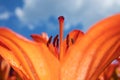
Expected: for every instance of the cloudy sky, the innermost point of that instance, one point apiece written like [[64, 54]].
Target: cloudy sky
[[36, 16]]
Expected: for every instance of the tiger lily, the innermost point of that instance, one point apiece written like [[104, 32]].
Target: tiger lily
[[80, 56]]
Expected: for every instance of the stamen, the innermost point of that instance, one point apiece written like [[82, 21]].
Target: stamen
[[72, 41], [61, 26], [67, 40], [49, 41], [55, 41]]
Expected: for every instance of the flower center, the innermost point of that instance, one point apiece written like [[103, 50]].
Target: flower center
[[58, 39]]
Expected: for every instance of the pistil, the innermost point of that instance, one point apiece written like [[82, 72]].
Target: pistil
[[61, 26]]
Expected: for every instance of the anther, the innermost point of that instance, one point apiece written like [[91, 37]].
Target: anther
[[72, 41], [49, 41], [55, 41], [67, 41]]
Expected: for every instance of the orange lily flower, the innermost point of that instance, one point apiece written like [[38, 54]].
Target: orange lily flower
[[77, 57]]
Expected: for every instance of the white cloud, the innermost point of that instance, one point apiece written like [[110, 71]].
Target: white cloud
[[19, 12], [75, 11], [4, 15]]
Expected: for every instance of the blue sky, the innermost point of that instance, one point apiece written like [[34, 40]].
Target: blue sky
[[36, 16]]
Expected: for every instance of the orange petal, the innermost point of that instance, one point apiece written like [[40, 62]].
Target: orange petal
[[35, 58], [109, 71], [10, 58], [89, 57], [43, 38]]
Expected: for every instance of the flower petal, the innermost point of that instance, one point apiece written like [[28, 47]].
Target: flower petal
[[35, 58], [40, 38], [43, 39], [89, 57], [13, 62]]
